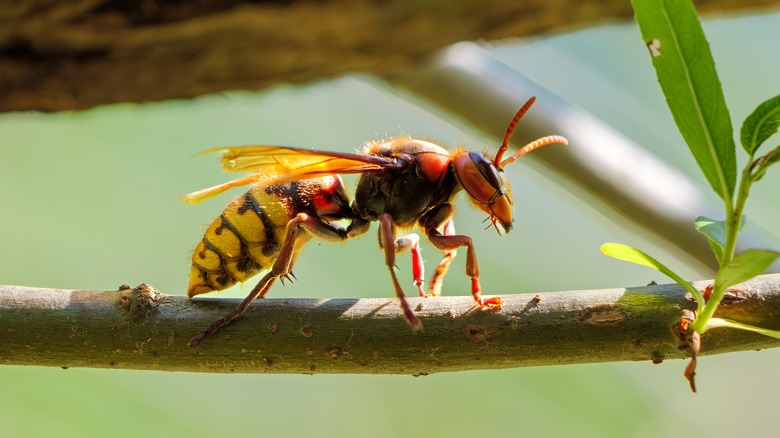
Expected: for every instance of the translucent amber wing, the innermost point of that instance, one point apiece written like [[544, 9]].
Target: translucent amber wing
[[279, 164], [288, 164], [202, 195]]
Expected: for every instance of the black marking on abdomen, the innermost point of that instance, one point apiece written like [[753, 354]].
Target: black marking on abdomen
[[224, 223], [299, 204], [296, 195], [247, 263], [271, 245], [225, 279]]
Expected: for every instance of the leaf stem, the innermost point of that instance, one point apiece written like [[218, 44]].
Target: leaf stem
[[733, 223], [728, 323]]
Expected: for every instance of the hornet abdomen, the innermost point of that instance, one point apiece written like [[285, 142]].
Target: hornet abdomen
[[246, 238]]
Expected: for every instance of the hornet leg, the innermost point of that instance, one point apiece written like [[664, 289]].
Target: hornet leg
[[281, 268], [444, 264], [405, 243], [388, 242], [448, 243]]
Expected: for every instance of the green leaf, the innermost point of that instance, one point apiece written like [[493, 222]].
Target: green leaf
[[715, 232], [723, 322], [760, 125], [745, 266], [772, 157], [630, 254], [762, 164], [686, 71]]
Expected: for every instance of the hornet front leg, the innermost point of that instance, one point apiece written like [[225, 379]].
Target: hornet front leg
[[438, 277], [448, 244]]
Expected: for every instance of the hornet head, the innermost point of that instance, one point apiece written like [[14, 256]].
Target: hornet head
[[483, 177]]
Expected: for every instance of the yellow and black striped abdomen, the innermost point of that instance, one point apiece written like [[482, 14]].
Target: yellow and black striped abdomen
[[243, 241]]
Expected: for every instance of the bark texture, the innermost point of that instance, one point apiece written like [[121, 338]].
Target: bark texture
[[77, 54], [143, 329]]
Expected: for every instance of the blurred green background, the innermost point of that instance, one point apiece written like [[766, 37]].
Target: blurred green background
[[88, 201]]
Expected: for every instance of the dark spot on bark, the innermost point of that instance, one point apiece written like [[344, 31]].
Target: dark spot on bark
[[335, 353], [682, 331], [480, 333], [657, 357], [732, 296], [602, 314], [273, 327], [536, 299], [124, 301], [307, 331], [140, 302], [124, 287]]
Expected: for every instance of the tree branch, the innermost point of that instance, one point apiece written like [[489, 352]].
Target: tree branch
[[142, 329], [68, 55]]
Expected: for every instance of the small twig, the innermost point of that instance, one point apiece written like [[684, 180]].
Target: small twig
[[141, 329]]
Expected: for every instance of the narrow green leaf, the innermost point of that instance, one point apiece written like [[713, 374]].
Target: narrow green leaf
[[745, 266], [760, 125], [686, 71], [630, 254], [715, 232], [722, 322], [762, 164], [772, 157]]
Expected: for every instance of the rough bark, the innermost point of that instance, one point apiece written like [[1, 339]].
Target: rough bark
[[142, 329], [77, 54]]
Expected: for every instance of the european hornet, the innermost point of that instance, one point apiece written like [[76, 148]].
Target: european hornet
[[297, 194]]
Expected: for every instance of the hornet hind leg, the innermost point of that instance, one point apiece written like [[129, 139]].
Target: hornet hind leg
[[281, 268]]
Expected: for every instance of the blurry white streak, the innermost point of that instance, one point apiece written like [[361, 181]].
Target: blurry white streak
[[482, 91]]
